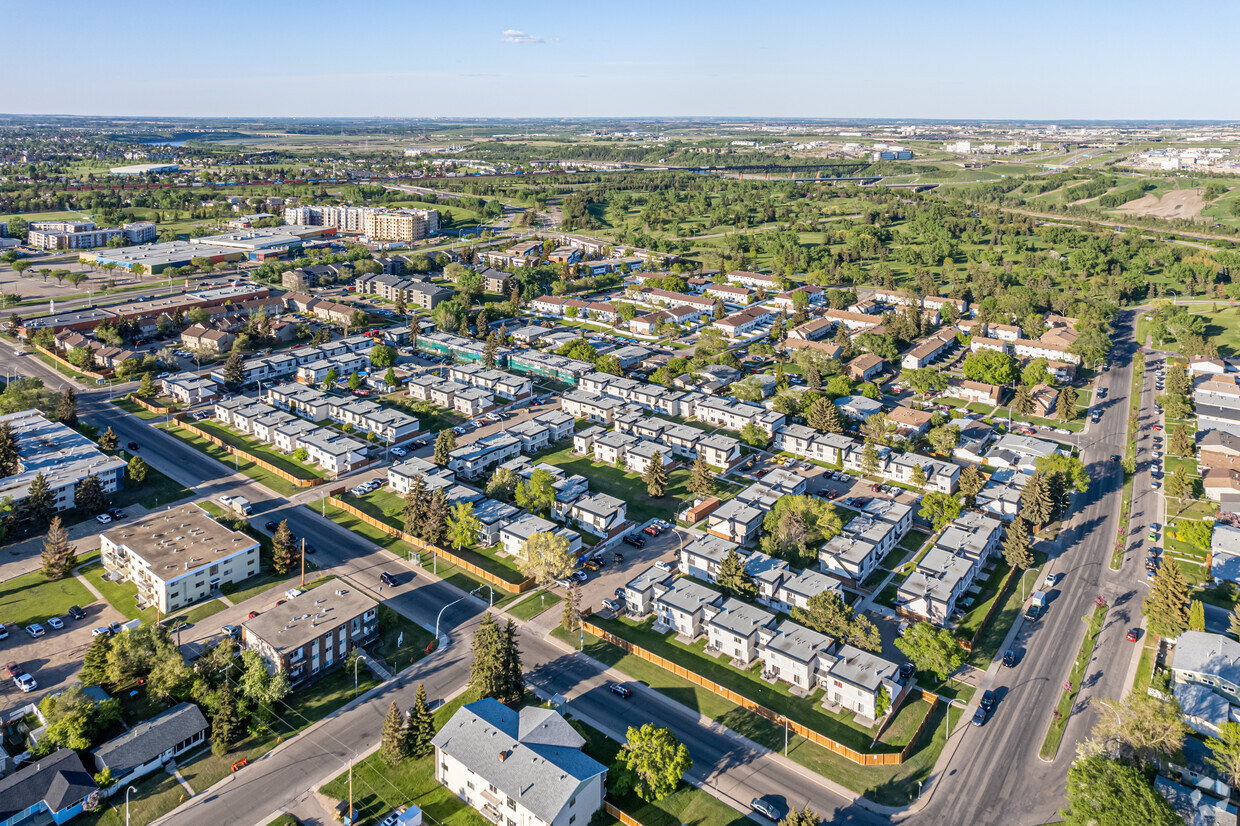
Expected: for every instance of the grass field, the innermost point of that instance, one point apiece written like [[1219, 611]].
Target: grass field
[[430, 417], [640, 506], [1059, 719], [33, 597], [534, 604], [254, 447], [258, 474]]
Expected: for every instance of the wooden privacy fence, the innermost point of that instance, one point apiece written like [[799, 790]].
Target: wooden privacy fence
[[967, 645], [619, 814], [447, 556], [886, 759], [145, 405], [184, 423], [69, 364]]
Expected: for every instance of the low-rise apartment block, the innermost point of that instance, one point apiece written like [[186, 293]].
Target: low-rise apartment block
[[314, 632], [62, 455]]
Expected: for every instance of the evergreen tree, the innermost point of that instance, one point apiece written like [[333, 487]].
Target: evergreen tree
[[420, 728], [733, 577], [655, 476], [136, 471], [1196, 616], [66, 409], [701, 481], [95, 662], [1065, 409], [234, 375], [824, 416], [89, 497], [107, 442], [38, 501], [435, 525], [869, 459], [392, 744], [487, 676], [1036, 505], [445, 443], [146, 388], [8, 450], [225, 724], [59, 556], [463, 329], [481, 324], [1016, 545], [1022, 402], [971, 482], [488, 352], [1233, 622], [282, 550], [514, 677], [415, 507], [1166, 608], [570, 618]]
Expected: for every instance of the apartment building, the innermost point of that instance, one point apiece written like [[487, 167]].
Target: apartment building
[[61, 455], [597, 513], [582, 405], [854, 679], [523, 768], [647, 325], [701, 557], [787, 301], [791, 653], [461, 349], [405, 225], [496, 382], [1217, 401], [548, 365], [515, 534], [926, 351], [744, 322], [734, 414], [729, 293], [189, 389], [753, 280], [313, 633], [178, 557], [639, 591], [485, 453], [344, 365]]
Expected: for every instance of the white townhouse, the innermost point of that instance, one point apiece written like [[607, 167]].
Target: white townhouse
[[639, 591], [680, 605], [516, 533], [598, 513], [791, 653], [732, 629]]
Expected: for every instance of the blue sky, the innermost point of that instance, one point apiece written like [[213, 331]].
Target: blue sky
[[430, 58]]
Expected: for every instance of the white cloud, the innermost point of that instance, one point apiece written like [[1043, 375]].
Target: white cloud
[[516, 36]]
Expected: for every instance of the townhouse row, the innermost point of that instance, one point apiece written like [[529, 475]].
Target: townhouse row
[[937, 589], [389, 425], [836, 449], [331, 450], [288, 364]]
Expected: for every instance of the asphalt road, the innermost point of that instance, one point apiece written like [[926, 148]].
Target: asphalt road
[[997, 775]]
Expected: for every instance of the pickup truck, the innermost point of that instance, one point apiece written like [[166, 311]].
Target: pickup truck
[[237, 504], [1037, 601]]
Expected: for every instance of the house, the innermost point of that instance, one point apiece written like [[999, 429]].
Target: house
[[472, 402], [151, 744], [932, 590], [1017, 451], [492, 516], [854, 680], [979, 343], [732, 629], [1212, 660], [858, 408], [189, 389], [976, 391], [1217, 402], [526, 767], [639, 591], [52, 789], [975, 436], [864, 367], [514, 535], [647, 325], [729, 293], [1194, 806], [973, 534], [177, 557], [909, 423], [735, 520], [680, 605], [598, 513], [792, 652], [313, 633], [1001, 497], [404, 475], [701, 557], [1044, 398], [199, 337], [639, 457], [812, 330]]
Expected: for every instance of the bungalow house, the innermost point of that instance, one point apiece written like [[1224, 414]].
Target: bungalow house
[[150, 745], [681, 604], [976, 391], [1208, 659], [791, 652], [858, 408], [732, 629], [864, 367], [52, 789], [909, 423], [1044, 398]]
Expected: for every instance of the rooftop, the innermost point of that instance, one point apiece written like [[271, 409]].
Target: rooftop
[[317, 611], [173, 542]]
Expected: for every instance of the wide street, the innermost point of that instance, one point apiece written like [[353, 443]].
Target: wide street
[[987, 774]]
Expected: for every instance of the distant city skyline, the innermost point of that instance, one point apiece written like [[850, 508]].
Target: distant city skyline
[[968, 60]]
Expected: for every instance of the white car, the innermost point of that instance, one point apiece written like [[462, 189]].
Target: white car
[[56, 623], [103, 518], [399, 451], [35, 630], [665, 566], [26, 683]]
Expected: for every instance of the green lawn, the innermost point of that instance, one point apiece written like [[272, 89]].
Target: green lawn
[[1059, 719], [258, 474], [402, 642], [388, 507], [120, 595], [33, 597], [198, 613], [157, 489], [627, 486], [841, 727], [889, 785], [995, 631], [154, 796], [254, 447], [379, 788], [534, 604], [124, 403], [430, 417]]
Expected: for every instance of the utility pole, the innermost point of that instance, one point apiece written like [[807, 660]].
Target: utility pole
[[303, 562]]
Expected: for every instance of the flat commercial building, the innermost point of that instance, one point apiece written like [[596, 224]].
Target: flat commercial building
[[177, 557]]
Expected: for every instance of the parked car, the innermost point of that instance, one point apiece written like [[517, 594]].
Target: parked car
[[231, 631], [907, 670], [55, 623], [26, 683], [1049, 581], [399, 451], [35, 630], [103, 518], [663, 565], [271, 525], [252, 615], [132, 445], [611, 605], [979, 716], [1009, 658], [767, 809], [622, 690], [99, 631], [634, 539], [14, 669], [1134, 634], [580, 576], [564, 583], [591, 565]]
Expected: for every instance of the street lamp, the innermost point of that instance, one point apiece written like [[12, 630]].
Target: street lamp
[[948, 719], [127, 791]]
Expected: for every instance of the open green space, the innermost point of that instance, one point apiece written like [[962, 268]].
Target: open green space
[[839, 726], [534, 604], [129, 406], [402, 642], [1011, 601], [267, 453], [1067, 698], [431, 418], [888, 785], [388, 508], [33, 597], [258, 474], [640, 506]]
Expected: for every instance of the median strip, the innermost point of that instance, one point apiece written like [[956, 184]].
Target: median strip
[[1072, 686]]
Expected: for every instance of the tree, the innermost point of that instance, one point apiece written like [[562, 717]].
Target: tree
[[1166, 608], [226, 724], [136, 470], [1022, 402], [463, 526], [233, 372], [329, 381], [733, 578], [75, 720], [486, 674], [146, 388], [503, 484], [38, 501], [1233, 622], [932, 649], [752, 435], [382, 355], [1196, 616], [8, 450], [939, 508], [1036, 504], [1016, 550], [1141, 726], [1225, 751], [825, 417], [445, 443], [1182, 443], [95, 662], [1066, 472], [414, 510], [537, 494], [434, 526], [869, 459], [66, 409], [547, 558], [701, 481], [806, 817], [944, 438], [797, 526], [654, 762], [282, 550], [877, 428], [59, 557], [89, 497], [918, 477], [489, 351], [827, 613], [655, 476], [1104, 792], [514, 675], [392, 744], [990, 366], [926, 380], [419, 729], [355, 380], [1065, 409], [570, 617], [107, 442]]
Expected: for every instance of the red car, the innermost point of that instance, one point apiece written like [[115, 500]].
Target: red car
[[833, 494], [1158, 427], [1133, 633], [252, 615], [875, 488]]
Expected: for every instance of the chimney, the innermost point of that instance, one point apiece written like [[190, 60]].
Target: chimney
[[503, 755]]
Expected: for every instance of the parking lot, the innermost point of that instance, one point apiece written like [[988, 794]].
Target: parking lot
[[55, 658], [602, 584]]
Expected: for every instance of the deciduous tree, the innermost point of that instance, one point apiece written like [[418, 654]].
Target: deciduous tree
[[1103, 792], [654, 761], [1141, 726], [932, 649], [939, 508], [463, 526]]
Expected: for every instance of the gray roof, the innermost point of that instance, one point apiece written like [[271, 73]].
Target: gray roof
[[688, 596], [1225, 539], [147, 740], [58, 780], [862, 668], [741, 618], [798, 642], [648, 578], [533, 756], [1204, 653]]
